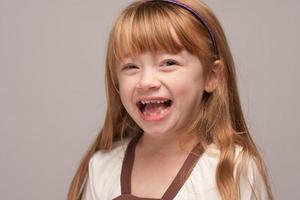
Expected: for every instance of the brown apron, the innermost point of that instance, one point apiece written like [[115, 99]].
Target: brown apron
[[176, 184]]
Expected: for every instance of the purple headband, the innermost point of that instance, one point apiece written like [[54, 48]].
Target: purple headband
[[199, 18]]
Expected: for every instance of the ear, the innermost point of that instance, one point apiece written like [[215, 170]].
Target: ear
[[214, 76]]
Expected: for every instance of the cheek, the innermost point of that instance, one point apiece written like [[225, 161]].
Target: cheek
[[187, 85], [126, 87]]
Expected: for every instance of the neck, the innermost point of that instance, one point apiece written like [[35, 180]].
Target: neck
[[166, 144]]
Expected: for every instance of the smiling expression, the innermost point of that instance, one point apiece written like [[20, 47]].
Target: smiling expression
[[160, 91]]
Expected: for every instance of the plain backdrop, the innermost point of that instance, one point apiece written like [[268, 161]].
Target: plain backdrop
[[52, 98]]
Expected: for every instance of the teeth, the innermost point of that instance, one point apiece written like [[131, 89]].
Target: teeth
[[152, 101], [154, 114], [163, 111]]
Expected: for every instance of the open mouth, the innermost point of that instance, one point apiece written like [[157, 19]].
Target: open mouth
[[154, 107]]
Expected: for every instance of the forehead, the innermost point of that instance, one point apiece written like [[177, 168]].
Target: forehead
[[147, 29], [136, 46]]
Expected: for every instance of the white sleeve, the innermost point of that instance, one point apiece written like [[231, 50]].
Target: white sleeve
[[89, 190], [252, 186]]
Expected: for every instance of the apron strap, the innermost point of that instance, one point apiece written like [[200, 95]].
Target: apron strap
[[176, 184]]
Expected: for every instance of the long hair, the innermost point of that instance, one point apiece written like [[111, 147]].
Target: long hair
[[217, 119]]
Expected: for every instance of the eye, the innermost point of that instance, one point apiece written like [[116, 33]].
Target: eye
[[169, 62], [129, 67]]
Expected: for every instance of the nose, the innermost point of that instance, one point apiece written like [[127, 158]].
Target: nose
[[148, 80]]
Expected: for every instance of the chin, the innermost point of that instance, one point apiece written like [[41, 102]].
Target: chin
[[154, 131]]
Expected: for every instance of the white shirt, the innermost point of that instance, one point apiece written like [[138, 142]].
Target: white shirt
[[103, 180]]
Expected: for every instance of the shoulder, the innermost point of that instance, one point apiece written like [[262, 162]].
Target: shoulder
[[246, 171], [104, 157], [104, 171], [212, 151], [207, 165], [245, 165], [243, 161]]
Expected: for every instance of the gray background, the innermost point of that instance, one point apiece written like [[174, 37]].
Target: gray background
[[52, 98]]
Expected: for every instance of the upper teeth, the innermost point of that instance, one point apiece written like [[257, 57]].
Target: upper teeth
[[153, 101]]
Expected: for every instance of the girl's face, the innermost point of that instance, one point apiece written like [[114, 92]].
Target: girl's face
[[161, 91]]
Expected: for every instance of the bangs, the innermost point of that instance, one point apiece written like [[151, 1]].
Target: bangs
[[148, 27]]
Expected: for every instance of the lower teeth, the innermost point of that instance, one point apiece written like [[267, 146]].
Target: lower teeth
[[156, 113]]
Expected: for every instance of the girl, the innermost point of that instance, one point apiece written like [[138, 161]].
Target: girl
[[174, 127]]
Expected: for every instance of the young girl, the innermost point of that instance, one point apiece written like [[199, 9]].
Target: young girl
[[174, 127]]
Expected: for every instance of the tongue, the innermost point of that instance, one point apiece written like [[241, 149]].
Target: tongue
[[154, 108]]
